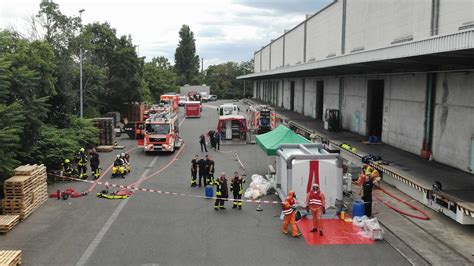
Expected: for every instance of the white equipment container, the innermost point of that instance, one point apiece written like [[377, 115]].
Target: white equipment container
[[301, 165]]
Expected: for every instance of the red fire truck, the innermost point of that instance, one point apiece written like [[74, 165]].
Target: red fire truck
[[261, 118], [232, 127], [171, 100], [192, 109], [161, 132]]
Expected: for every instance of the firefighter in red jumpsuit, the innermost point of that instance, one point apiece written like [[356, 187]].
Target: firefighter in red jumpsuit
[[316, 202], [289, 211]]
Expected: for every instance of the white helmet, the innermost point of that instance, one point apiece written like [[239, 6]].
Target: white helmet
[[118, 155], [123, 154]]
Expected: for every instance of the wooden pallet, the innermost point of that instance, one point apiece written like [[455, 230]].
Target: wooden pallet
[[19, 186], [10, 257], [7, 222], [104, 148], [25, 169], [26, 191], [25, 208]]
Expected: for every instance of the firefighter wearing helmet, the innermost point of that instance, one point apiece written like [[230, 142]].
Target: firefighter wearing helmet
[[82, 164], [126, 161], [315, 203], [289, 212], [67, 168], [95, 164]]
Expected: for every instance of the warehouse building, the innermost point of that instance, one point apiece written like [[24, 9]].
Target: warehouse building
[[402, 70]]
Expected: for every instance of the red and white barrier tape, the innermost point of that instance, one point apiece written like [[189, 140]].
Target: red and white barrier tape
[[132, 187]]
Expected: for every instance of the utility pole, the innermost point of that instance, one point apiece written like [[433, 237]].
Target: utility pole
[[80, 69], [202, 70]]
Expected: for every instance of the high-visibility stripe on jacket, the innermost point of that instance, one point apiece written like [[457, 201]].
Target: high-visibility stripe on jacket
[[288, 206], [237, 184], [218, 185], [315, 199]]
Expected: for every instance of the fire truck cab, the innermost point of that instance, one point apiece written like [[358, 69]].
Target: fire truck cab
[[261, 118], [171, 100], [162, 132]]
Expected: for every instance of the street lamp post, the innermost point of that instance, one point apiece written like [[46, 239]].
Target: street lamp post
[[80, 69]]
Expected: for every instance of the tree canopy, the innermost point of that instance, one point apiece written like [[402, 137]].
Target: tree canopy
[[39, 83], [185, 58]]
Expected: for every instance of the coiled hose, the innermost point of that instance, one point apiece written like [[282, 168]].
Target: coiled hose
[[423, 216]]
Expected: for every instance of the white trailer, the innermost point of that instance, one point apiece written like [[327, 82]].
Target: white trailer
[[301, 165]]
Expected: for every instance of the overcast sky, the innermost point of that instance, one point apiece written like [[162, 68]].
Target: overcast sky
[[225, 30]]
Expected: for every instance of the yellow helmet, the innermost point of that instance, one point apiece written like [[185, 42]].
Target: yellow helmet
[[82, 150], [67, 161]]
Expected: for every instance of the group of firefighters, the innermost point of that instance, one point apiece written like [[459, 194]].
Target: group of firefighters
[[81, 170], [315, 203], [205, 167]]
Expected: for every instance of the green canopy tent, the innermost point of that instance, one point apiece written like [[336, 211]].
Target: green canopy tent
[[271, 141]]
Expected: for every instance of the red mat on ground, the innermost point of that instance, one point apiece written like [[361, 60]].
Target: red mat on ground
[[336, 232]]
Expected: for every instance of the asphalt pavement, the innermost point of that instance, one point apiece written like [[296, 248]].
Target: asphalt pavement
[[166, 229]]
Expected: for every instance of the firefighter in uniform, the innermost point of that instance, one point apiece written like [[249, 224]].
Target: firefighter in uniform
[[222, 193], [316, 202], [82, 164], [95, 162], [210, 164], [289, 211], [237, 187], [68, 170], [194, 168]]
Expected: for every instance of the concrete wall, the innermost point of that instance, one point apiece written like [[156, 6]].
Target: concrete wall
[[254, 94], [454, 119], [323, 35], [266, 58], [256, 58], [331, 94], [452, 14], [282, 93], [310, 98], [277, 54], [286, 94], [354, 105], [404, 107], [375, 24], [298, 95], [294, 43]]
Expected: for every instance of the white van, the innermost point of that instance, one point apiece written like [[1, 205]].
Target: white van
[[228, 109]]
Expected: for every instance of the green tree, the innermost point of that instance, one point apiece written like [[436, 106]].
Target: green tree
[[223, 78], [60, 31], [11, 123], [159, 77], [185, 58]]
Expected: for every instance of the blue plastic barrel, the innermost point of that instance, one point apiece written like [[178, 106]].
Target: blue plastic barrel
[[358, 208], [371, 139], [376, 139], [209, 192]]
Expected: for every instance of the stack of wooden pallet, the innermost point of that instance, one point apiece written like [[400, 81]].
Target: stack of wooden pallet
[[25, 191], [10, 257], [7, 222], [106, 130], [135, 112]]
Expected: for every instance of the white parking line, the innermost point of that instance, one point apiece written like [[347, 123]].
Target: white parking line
[[98, 238]]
